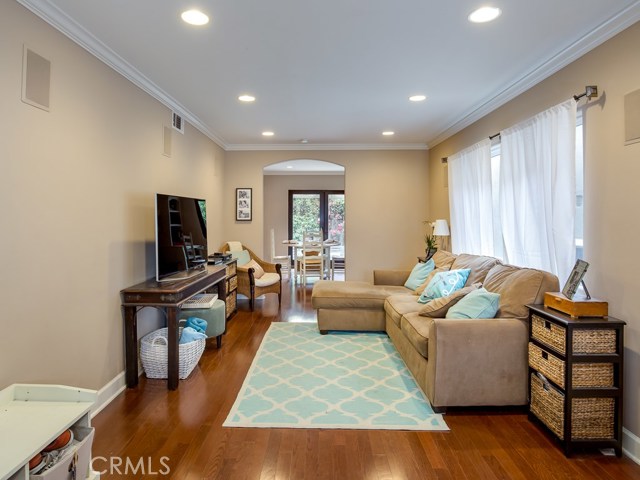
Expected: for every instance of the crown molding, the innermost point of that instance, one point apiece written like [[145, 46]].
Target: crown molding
[[603, 32], [77, 33], [327, 146]]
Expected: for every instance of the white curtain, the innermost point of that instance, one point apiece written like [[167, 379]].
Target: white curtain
[[538, 190], [470, 201]]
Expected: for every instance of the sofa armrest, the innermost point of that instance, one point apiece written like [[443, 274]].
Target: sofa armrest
[[390, 277], [478, 361]]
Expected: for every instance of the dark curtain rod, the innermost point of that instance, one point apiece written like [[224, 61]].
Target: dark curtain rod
[[590, 91]]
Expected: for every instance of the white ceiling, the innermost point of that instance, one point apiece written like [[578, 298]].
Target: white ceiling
[[336, 72]]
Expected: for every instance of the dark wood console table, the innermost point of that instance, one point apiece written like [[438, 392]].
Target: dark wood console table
[[170, 296]]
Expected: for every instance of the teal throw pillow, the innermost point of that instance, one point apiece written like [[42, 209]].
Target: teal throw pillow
[[444, 283], [242, 256], [477, 304], [419, 274]]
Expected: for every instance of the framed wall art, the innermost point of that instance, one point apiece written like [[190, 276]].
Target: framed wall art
[[243, 205]]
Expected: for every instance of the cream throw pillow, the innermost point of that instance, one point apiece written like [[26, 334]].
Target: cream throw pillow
[[258, 271], [438, 308]]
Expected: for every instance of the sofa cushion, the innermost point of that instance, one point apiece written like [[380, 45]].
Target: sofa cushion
[[419, 274], [396, 306], [444, 283], [268, 279], [444, 259], [517, 287], [478, 264], [352, 294], [477, 304], [438, 307], [416, 329]]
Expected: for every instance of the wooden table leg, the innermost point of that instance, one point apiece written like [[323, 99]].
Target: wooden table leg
[[131, 346], [172, 351]]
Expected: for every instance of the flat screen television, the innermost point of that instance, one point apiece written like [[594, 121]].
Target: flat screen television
[[181, 237]]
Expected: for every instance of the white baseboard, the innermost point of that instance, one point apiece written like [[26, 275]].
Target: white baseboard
[[631, 445], [107, 393], [110, 391]]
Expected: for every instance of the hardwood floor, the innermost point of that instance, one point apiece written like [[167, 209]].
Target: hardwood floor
[[150, 432]]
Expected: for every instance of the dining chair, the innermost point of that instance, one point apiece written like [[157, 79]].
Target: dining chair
[[312, 258], [283, 260]]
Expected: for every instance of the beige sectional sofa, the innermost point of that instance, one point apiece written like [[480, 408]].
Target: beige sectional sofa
[[456, 362]]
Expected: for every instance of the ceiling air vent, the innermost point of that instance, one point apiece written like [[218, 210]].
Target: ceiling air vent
[[177, 122]]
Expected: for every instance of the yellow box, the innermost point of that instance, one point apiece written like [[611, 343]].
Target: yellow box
[[579, 307]]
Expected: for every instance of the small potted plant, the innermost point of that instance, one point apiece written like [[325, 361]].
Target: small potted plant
[[430, 241]]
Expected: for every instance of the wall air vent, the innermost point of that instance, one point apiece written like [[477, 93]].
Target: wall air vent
[[178, 122]]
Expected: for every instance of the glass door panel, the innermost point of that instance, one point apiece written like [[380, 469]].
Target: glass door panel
[[335, 222], [305, 214]]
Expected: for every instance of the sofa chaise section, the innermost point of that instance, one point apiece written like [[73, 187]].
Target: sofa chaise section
[[456, 362], [357, 306]]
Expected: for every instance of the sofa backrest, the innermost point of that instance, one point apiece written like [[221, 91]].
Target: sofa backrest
[[519, 286], [444, 259], [479, 265]]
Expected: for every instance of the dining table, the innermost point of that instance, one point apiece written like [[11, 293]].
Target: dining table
[[296, 247]]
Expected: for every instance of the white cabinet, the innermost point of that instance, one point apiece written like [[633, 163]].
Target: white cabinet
[[32, 416]]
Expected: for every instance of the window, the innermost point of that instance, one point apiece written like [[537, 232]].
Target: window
[[318, 209], [579, 234], [579, 220]]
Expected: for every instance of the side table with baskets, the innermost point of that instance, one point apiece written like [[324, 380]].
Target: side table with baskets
[[576, 378]]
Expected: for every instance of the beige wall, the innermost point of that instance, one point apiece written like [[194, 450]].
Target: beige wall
[[276, 203], [77, 195], [612, 170], [385, 203]]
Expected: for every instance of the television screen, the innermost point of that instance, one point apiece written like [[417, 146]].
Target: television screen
[[181, 237]]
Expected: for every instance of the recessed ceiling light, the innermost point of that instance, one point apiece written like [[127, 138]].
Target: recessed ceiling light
[[388, 133], [418, 98], [247, 98], [195, 17], [484, 14], [267, 134], [289, 166]]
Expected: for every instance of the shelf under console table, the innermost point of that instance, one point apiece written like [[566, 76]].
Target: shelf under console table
[[169, 296]]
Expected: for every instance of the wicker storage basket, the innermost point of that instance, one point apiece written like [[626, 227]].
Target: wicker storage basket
[[594, 341], [591, 418], [592, 375], [549, 365], [547, 403], [154, 355], [548, 333]]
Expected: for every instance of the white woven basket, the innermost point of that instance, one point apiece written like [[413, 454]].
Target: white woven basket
[[154, 354]]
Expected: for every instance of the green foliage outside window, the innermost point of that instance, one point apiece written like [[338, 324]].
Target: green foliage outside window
[[305, 215]]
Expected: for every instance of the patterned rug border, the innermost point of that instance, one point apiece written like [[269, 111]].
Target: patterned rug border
[[438, 423]]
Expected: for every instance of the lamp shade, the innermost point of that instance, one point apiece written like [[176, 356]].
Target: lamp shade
[[441, 228]]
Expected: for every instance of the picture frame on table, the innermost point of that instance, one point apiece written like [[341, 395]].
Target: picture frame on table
[[244, 212], [575, 278]]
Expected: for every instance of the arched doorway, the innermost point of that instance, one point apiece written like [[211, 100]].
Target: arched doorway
[[304, 193]]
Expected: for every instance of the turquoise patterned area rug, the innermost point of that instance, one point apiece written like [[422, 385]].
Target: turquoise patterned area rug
[[301, 379]]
